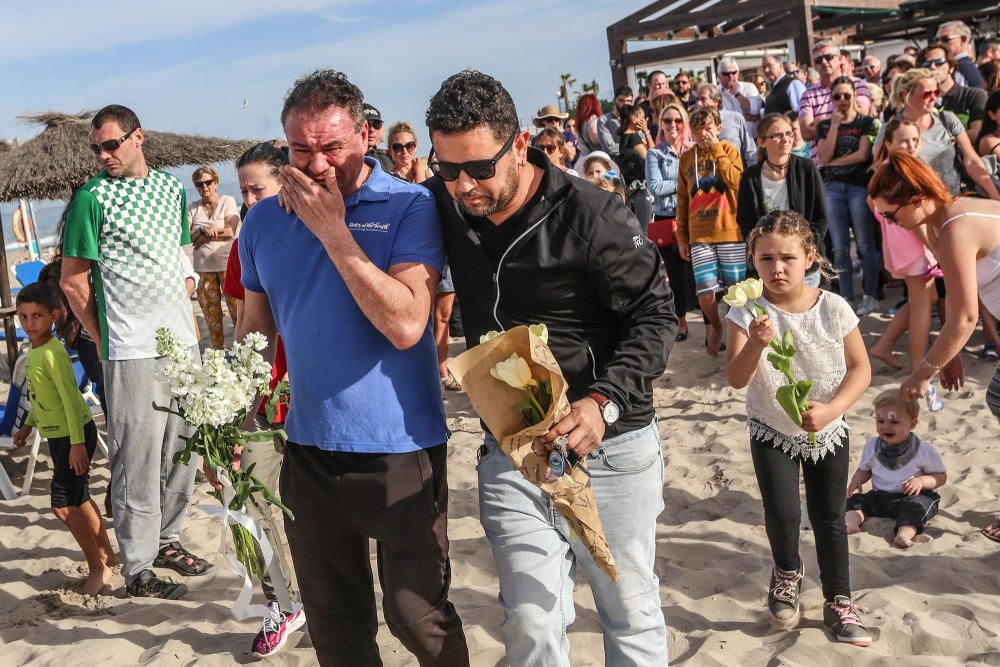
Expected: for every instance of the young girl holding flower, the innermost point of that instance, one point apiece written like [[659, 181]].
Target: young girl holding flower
[[831, 353]]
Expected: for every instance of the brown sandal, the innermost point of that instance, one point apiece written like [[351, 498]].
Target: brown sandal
[[451, 383]]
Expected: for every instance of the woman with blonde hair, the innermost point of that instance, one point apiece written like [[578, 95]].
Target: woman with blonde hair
[[942, 136], [662, 160], [403, 151], [214, 219]]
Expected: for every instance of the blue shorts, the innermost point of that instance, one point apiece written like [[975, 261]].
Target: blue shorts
[[718, 265]]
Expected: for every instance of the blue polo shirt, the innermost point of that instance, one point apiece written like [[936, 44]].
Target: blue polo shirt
[[352, 390]]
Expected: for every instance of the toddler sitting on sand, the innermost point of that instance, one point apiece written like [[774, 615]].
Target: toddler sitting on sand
[[903, 469]]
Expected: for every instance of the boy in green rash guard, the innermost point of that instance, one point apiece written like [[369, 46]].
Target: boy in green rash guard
[[60, 414]]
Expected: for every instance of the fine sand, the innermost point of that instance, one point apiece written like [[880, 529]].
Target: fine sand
[[937, 601]]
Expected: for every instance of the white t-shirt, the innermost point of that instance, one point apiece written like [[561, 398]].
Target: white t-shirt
[[819, 342], [749, 91], [775, 194], [925, 462], [213, 256]]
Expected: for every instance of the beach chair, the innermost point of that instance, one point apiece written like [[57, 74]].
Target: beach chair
[[14, 412], [27, 272]]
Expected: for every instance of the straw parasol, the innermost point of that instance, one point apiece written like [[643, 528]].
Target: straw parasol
[[57, 161]]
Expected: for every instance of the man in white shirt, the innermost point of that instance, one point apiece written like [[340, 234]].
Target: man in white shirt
[[739, 96]]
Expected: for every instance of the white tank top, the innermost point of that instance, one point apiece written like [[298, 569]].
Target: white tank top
[[987, 270]]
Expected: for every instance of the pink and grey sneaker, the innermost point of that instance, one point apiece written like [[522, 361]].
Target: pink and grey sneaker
[[275, 629], [841, 617]]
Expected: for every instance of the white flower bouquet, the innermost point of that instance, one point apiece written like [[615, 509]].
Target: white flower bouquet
[[214, 398]]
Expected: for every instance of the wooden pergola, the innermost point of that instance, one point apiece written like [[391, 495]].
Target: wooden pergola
[[712, 28], [919, 19]]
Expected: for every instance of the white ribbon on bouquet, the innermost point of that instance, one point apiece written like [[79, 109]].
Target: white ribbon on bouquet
[[242, 609]]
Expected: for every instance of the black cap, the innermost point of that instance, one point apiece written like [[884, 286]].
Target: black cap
[[371, 113]]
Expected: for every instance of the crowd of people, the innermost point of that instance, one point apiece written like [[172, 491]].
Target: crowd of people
[[698, 188]]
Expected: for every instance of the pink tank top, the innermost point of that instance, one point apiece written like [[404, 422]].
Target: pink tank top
[[901, 247]]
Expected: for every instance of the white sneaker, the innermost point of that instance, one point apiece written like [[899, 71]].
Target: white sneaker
[[869, 304]]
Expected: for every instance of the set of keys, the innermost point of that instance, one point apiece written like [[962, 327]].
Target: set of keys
[[561, 459]]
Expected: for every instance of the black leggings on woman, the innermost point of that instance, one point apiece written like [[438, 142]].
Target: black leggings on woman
[[826, 486], [681, 277]]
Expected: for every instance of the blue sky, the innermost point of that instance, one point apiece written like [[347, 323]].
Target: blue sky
[[187, 65]]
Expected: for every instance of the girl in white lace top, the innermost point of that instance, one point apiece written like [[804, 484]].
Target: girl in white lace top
[[831, 353]]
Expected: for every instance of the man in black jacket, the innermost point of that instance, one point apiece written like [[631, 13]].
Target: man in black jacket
[[527, 244]]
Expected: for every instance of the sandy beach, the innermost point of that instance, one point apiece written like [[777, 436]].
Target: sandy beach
[[935, 604]]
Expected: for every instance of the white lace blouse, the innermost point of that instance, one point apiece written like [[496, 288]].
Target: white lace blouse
[[819, 342]]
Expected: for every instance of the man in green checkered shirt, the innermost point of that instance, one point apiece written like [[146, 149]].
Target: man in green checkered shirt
[[123, 277]]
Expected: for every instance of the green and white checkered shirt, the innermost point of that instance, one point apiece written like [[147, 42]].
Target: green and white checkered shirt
[[132, 229]]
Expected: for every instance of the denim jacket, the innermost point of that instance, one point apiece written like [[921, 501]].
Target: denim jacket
[[661, 180]]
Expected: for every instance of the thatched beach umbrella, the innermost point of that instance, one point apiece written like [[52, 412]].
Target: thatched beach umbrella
[[57, 161]]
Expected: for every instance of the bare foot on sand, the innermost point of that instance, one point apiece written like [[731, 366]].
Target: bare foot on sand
[[904, 537], [887, 357], [714, 341], [97, 581]]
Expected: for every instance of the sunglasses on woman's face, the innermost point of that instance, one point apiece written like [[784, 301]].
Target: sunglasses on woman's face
[[548, 148], [778, 136], [671, 121], [929, 94], [840, 97], [409, 147], [479, 170], [203, 184], [111, 145]]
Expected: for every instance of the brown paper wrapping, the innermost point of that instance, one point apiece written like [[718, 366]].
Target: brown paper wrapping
[[494, 401]]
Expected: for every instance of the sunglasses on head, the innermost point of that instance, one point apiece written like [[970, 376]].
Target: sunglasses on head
[[838, 97], [111, 145], [203, 184], [375, 124], [479, 170], [409, 147], [825, 58], [937, 62]]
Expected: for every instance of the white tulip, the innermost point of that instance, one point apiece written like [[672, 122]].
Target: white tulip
[[515, 372]]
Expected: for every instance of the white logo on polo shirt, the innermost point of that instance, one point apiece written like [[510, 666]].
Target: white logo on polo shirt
[[374, 226]]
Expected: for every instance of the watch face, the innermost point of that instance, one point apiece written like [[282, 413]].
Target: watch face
[[610, 413]]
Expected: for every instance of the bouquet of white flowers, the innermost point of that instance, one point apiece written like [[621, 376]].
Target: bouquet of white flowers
[[214, 398]]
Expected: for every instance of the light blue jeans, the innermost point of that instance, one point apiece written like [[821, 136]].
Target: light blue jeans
[[847, 209], [536, 556]]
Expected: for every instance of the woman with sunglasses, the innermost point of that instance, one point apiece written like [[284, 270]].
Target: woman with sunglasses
[[908, 192], [845, 151], [553, 143], [662, 160], [634, 142], [943, 138], [781, 180], [403, 151], [214, 219]]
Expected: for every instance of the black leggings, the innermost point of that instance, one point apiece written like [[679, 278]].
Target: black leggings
[[826, 485], [681, 277]]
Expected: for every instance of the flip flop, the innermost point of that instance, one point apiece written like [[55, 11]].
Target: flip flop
[[995, 527], [681, 337]]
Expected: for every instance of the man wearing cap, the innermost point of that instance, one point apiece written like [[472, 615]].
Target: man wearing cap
[[549, 116], [376, 133]]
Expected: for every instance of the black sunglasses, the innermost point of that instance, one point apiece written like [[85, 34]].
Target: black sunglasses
[[478, 170], [891, 217], [837, 97], [937, 62], [409, 147], [203, 184], [825, 58], [375, 124], [548, 148], [111, 145]]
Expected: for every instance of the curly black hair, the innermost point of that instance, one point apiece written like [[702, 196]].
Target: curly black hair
[[323, 89], [471, 99], [41, 293]]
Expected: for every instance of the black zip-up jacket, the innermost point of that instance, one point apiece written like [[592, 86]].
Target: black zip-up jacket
[[583, 267], [806, 196]]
